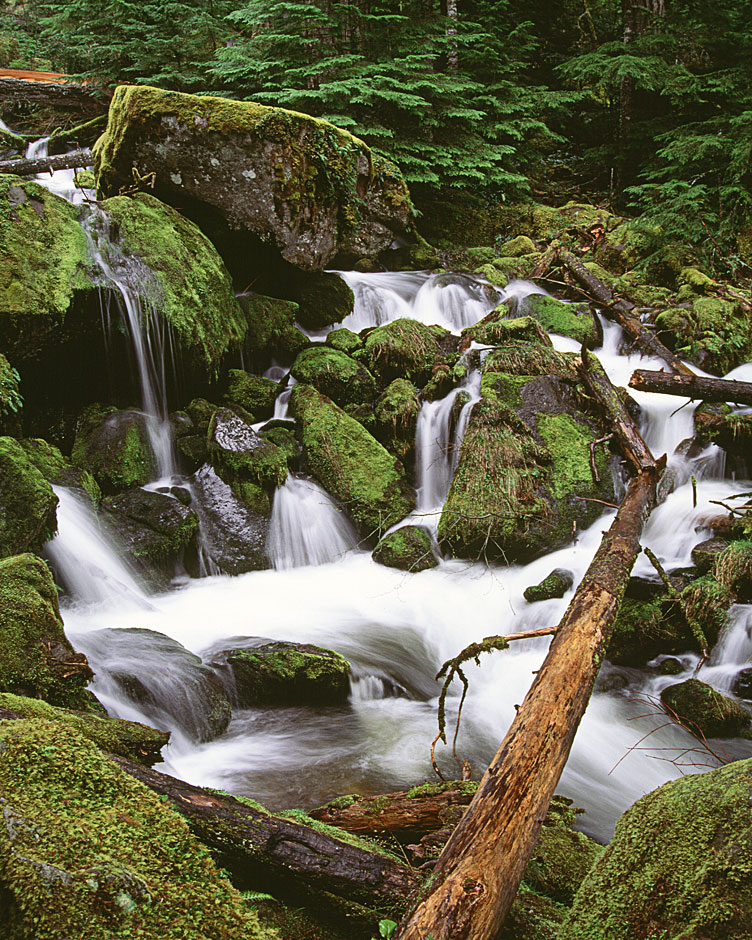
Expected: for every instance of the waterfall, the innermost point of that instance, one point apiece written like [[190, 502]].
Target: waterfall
[[61, 182]]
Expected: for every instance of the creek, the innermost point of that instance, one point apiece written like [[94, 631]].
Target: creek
[[395, 628]]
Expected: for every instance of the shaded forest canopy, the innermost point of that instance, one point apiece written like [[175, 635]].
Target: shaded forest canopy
[[645, 105]]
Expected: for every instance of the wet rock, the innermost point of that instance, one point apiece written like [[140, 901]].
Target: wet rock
[[704, 554], [556, 584], [251, 392], [742, 687], [114, 447], [284, 438], [405, 349], [56, 468], [271, 332], [678, 865], [396, 414], [171, 686], [36, 659], [350, 463], [555, 316], [153, 528], [645, 629], [670, 666], [241, 456], [336, 375], [28, 507], [324, 299], [498, 328], [286, 674], [344, 340], [714, 333], [314, 191], [702, 709], [409, 549]]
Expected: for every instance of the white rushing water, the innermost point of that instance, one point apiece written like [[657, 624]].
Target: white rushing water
[[398, 628]]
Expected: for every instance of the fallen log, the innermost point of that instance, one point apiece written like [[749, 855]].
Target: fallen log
[[622, 312], [692, 386], [63, 95], [64, 161], [599, 385], [480, 869]]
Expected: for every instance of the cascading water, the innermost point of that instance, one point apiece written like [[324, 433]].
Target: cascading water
[[398, 628]]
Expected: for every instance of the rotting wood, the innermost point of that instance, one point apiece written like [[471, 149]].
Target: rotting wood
[[76, 159], [68, 96], [480, 868], [622, 312], [692, 386]]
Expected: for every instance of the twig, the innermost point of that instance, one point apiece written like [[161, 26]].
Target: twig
[[592, 499], [694, 492], [593, 468], [719, 502]]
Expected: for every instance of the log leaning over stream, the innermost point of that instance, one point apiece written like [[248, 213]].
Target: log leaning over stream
[[76, 159], [692, 386], [64, 95], [480, 869], [622, 311]]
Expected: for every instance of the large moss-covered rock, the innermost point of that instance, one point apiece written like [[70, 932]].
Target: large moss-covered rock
[[497, 328], [396, 414], [702, 709], [188, 283], [36, 658], [555, 316], [324, 299], [679, 866], [404, 349], [313, 190], [27, 504], [153, 528], [408, 549], [128, 739], [253, 393], [271, 332], [283, 673], [43, 266], [715, 333], [335, 374], [645, 628], [240, 455], [89, 852], [114, 447], [350, 463], [733, 569], [56, 468]]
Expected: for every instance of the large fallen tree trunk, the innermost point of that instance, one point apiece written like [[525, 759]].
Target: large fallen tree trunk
[[480, 868], [622, 311], [65, 161], [68, 96], [692, 386]]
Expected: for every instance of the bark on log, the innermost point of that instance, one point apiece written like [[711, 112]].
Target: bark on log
[[622, 311], [599, 385], [67, 96], [692, 386], [407, 818], [64, 161], [480, 869]]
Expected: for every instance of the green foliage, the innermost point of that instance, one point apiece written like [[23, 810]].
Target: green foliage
[[11, 400]]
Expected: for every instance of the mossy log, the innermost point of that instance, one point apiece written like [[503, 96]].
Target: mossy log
[[68, 96], [622, 312], [64, 161], [480, 868], [692, 386]]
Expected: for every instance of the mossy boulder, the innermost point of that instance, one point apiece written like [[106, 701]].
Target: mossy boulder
[[344, 340], [56, 468], [707, 602], [271, 332], [153, 528], [188, 282], [679, 865], [292, 180], [28, 507], [521, 245], [396, 414], [498, 327], [89, 852], [253, 393], [644, 629], [555, 584], [127, 739], [714, 333], [408, 549], [324, 299], [733, 570], [336, 375], [704, 710], [171, 686], [44, 268], [114, 447], [555, 316], [350, 463], [404, 349], [241, 456], [37, 659], [282, 673]]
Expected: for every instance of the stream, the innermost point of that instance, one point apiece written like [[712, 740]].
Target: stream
[[395, 628]]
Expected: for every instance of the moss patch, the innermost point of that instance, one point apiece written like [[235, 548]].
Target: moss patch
[[408, 549], [335, 374], [575, 320], [702, 709], [114, 447], [404, 349], [271, 331], [27, 504], [251, 392]]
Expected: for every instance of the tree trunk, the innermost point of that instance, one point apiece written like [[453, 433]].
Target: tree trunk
[[62, 95], [693, 386], [626, 94], [453, 56], [622, 312], [482, 864], [65, 161]]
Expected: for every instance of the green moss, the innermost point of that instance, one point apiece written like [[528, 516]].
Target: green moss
[[707, 602], [92, 853], [404, 349], [733, 569], [114, 447], [335, 374], [468, 787], [55, 468], [696, 280], [408, 549], [522, 245], [497, 328], [569, 445], [271, 331], [11, 401], [114, 735], [350, 838], [27, 504], [36, 658], [350, 463], [344, 340], [192, 288], [251, 392], [532, 917], [396, 414], [245, 456], [643, 629], [521, 358], [679, 866], [705, 711], [324, 299], [714, 333], [575, 320], [555, 584]]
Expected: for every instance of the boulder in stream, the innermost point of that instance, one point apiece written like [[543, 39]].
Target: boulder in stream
[[324, 298], [314, 191], [408, 549], [114, 447], [28, 507], [555, 316], [253, 393], [555, 584], [271, 332], [281, 673], [36, 658], [702, 709], [407, 349], [678, 866], [336, 375], [396, 413]]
